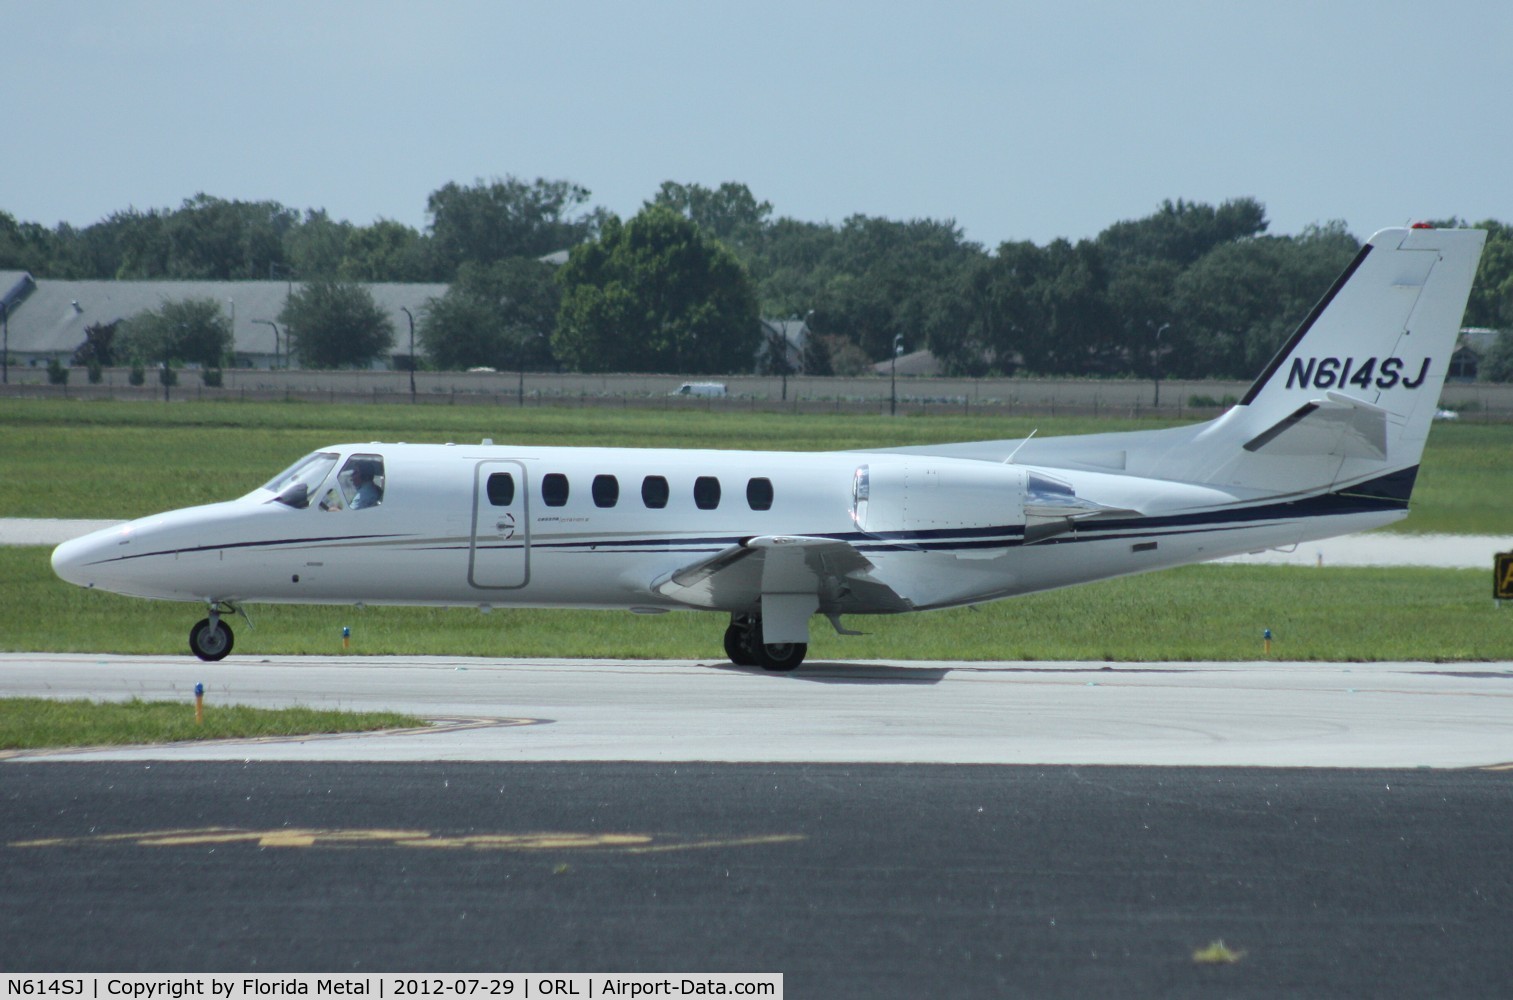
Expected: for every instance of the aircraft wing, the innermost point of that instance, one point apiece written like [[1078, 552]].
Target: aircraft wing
[[769, 569]]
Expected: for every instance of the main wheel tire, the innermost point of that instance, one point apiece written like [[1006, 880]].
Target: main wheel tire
[[781, 657], [738, 645], [210, 642]]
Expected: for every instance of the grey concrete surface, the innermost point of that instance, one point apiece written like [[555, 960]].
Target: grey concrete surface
[[1378, 715], [1380, 548], [46, 530]]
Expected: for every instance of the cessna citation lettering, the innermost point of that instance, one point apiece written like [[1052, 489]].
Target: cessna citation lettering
[[1326, 441]]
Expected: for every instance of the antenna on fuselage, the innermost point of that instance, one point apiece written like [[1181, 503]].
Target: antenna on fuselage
[[1010, 459]]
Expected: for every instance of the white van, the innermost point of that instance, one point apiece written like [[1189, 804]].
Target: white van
[[701, 389]]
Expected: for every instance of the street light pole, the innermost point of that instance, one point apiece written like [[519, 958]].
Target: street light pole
[[520, 365], [412, 351], [288, 294], [269, 322], [1156, 366], [804, 334], [783, 366], [898, 348], [5, 364]]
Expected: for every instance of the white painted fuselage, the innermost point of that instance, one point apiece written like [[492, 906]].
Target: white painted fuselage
[[938, 532]]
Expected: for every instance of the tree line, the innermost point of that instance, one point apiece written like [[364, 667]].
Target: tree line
[[1190, 291]]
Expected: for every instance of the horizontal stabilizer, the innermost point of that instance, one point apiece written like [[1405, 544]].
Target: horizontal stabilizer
[[1335, 425]]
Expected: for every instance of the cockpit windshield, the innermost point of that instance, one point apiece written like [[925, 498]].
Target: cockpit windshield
[[296, 484], [359, 485]]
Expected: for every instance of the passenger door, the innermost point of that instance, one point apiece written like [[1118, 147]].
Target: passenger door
[[500, 552]]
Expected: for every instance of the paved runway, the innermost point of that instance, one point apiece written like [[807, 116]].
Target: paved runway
[[1390, 715], [867, 829]]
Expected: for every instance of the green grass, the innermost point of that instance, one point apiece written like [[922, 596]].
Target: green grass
[[33, 723], [1193, 613], [106, 459], [127, 459], [103, 459], [1464, 482]]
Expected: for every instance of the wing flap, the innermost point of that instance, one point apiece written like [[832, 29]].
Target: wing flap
[[771, 567]]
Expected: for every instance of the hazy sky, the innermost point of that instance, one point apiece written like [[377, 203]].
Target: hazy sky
[[1020, 120]]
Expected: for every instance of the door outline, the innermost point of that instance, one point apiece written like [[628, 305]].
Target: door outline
[[503, 560]]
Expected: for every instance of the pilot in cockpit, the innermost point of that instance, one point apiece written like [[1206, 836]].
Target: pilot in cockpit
[[359, 485], [368, 494]]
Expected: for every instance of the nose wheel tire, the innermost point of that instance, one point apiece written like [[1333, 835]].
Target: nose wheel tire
[[210, 640]]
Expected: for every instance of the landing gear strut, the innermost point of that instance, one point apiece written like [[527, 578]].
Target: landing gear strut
[[211, 638], [744, 646]]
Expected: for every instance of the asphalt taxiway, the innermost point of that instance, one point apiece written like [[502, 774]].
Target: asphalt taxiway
[[851, 880], [867, 829]]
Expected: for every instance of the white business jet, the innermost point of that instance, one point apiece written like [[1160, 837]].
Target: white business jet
[[1326, 441]]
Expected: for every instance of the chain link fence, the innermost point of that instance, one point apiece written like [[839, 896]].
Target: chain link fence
[[803, 394]]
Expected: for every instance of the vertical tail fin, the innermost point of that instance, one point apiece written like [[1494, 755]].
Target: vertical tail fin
[[1349, 398]]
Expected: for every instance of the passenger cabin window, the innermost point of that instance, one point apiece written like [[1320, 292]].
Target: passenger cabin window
[[501, 488], [759, 493], [706, 492], [606, 491], [554, 489], [359, 485], [654, 492]]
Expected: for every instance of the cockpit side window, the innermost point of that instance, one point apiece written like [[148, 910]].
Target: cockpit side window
[[360, 484], [295, 485]]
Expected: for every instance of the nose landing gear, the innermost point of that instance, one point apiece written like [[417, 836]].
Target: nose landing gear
[[211, 639]]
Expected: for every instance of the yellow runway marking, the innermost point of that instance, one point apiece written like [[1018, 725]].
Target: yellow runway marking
[[618, 843]]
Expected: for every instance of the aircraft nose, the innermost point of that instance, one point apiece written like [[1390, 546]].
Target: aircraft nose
[[77, 560]]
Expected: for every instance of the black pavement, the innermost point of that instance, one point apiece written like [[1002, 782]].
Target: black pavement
[[867, 881]]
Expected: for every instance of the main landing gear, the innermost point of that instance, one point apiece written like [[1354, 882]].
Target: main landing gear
[[211, 638], [744, 646]]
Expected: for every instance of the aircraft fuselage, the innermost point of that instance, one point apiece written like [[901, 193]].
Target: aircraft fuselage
[[606, 528]]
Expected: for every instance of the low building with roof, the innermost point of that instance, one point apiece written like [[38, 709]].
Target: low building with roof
[[47, 318], [1474, 344]]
